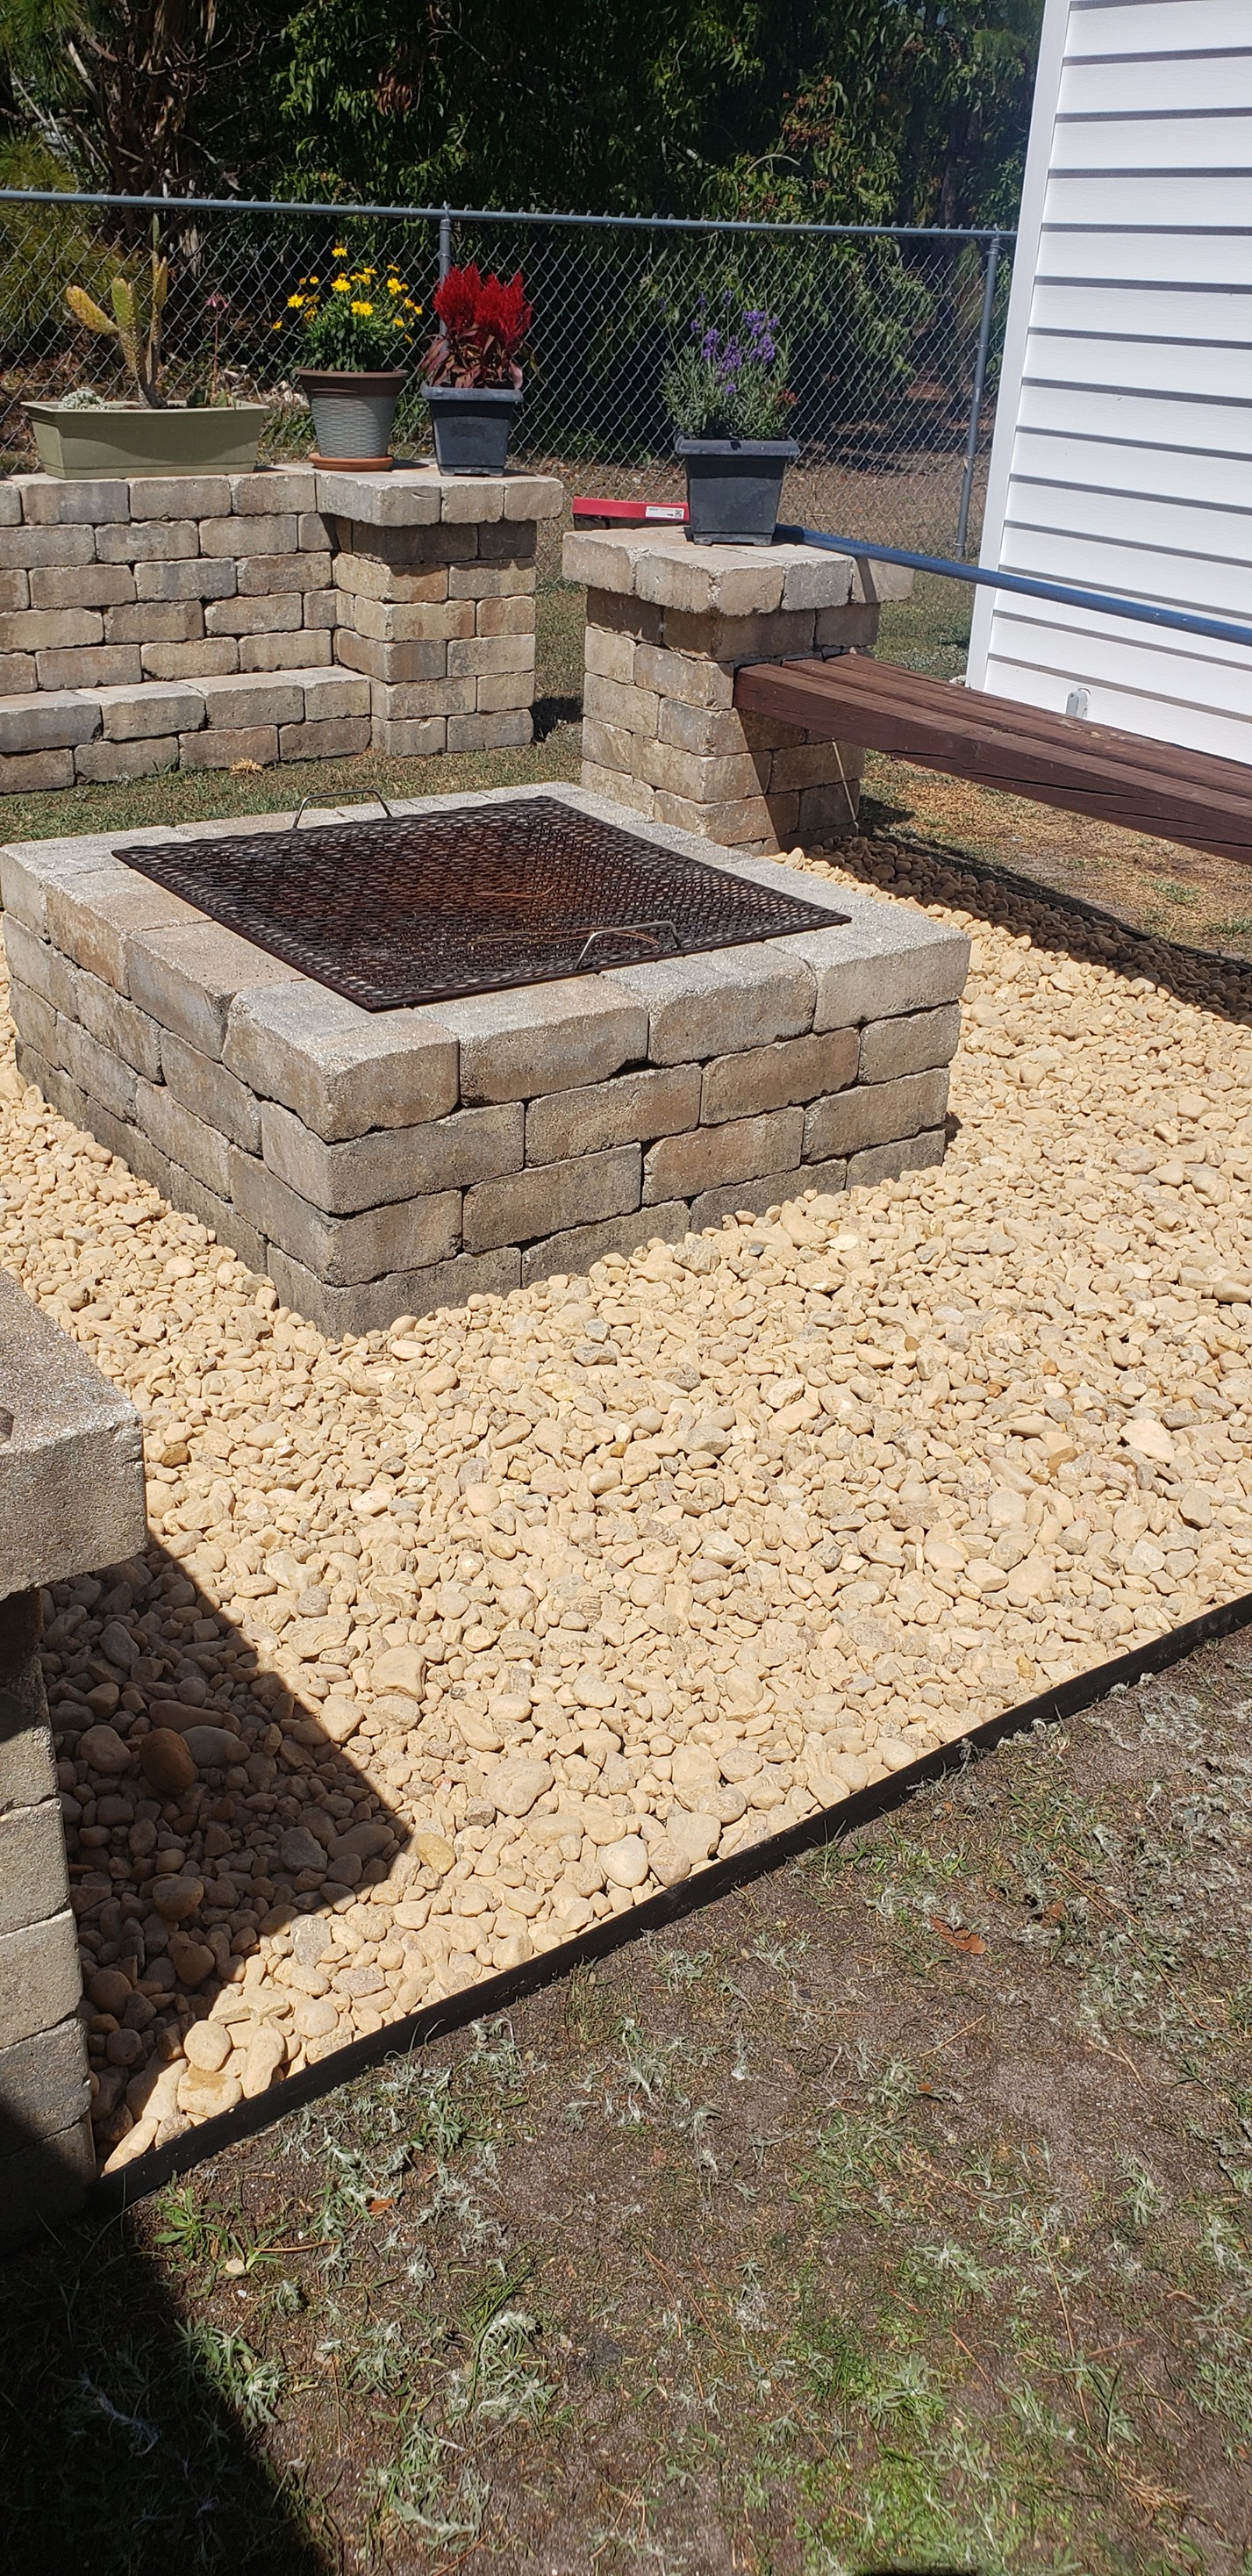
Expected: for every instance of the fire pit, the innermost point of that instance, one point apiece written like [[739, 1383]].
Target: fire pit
[[423, 907], [399, 1062]]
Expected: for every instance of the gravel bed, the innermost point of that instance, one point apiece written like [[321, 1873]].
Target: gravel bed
[[452, 1640]]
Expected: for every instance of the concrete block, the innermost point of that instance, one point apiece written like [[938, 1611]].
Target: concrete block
[[148, 541], [486, 732], [281, 613], [579, 1246], [219, 1218], [608, 747], [92, 917], [775, 1077], [15, 592], [97, 1071], [33, 1879], [888, 960], [548, 1198], [875, 1113], [237, 702], [116, 1024], [545, 1037], [190, 975], [217, 657], [88, 666], [513, 615], [334, 693], [25, 773], [471, 499], [893, 1047], [731, 997], [617, 787], [179, 496], [101, 761], [220, 746], [268, 533], [37, 1027], [279, 487], [28, 630], [700, 782], [17, 674], [321, 608], [343, 1250], [373, 1304], [27, 1770], [43, 2086], [71, 1471], [193, 579], [740, 1150], [341, 1069], [41, 968], [10, 498], [772, 1189], [277, 652], [47, 721], [402, 501], [201, 1085], [416, 738], [391, 621], [634, 1109], [888, 1162], [340, 738], [44, 2183], [183, 1138], [157, 708], [46, 502], [372, 577], [22, 549], [479, 580], [425, 663], [486, 653], [533, 496], [636, 710], [393, 1163], [155, 621], [259, 575]]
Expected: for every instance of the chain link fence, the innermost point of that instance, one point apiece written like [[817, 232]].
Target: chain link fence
[[894, 336]]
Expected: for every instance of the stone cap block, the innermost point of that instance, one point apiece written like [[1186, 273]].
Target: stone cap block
[[341, 1070], [419, 496], [664, 568], [889, 958], [71, 1468], [536, 1038], [187, 977]]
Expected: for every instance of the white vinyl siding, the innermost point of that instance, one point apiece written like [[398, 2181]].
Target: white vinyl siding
[[1122, 458]]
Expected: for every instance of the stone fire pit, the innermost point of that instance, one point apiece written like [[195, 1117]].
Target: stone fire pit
[[382, 1162]]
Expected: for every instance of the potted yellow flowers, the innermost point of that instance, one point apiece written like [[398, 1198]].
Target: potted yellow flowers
[[354, 326]]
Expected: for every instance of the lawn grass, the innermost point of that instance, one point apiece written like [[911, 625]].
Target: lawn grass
[[896, 2213]]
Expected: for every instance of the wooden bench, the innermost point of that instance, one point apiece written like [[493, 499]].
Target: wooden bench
[[1153, 787]]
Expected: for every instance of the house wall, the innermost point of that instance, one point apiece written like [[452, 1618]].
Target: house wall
[[1123, 449]]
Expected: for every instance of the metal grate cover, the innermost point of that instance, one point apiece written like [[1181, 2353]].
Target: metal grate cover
[[423, 907]]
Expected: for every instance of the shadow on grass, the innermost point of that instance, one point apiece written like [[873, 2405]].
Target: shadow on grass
[[128, 2432]]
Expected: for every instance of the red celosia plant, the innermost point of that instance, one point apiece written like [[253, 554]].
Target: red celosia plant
[[484, 324]]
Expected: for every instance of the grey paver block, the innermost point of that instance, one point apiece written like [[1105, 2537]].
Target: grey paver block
[[188, 977], [346, 1249], [183, 1138], [729, 998], [393, 1163], [117, 1025], [27, 1768], [39, 1977], [887, 1162], [97, 1071], [772, 1189], [92, 917], [898, 1046], [158, 707], [775, 1077], [40, 967], [202, 1085], [47, 718], [633, 1109], [34, 1883], [545, 1037], [578, 1246], [71, 1472], [341, 1069], [373, 1304], [739, 1150], [548, 1198], [43, 2086], [875, 1113]]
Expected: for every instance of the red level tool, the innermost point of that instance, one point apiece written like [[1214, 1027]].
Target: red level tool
[[628, 514]]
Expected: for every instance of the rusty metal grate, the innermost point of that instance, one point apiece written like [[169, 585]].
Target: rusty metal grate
[[419, 908]]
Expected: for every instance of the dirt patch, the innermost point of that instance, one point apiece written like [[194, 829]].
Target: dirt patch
[[893, 2212]]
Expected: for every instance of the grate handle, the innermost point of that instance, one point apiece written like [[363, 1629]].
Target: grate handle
[[645, 930]]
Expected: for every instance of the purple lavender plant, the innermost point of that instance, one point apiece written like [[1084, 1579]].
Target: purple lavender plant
[[729, 378]]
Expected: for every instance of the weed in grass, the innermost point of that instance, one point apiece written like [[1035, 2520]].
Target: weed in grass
[[248, 2382]]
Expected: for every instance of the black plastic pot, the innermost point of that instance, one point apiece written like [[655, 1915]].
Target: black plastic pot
[[472, 427], [734, 488]]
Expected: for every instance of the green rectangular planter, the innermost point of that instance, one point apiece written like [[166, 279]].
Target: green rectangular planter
[[129, 438]]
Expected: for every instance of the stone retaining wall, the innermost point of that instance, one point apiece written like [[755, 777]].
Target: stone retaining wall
[[71, 1498], [194, 621], [668, 625], [380, 1163]]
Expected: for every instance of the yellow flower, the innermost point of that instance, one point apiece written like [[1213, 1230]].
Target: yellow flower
[[359, 306], [295, 303], [342, 285], [276, 326], [340, 251], [394, 286], [310, 281]]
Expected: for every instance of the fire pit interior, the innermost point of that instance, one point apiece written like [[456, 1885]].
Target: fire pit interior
[[406, 909]]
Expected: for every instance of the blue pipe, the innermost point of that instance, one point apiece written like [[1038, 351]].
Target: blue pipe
[[1178, 618]]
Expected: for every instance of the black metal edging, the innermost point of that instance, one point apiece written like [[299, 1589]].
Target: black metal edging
[[111, 2194]]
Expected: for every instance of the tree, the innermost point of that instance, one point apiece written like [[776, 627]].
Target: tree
[[139, 96]]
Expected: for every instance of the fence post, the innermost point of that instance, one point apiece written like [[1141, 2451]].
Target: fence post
[[976, 396], [445, 244]]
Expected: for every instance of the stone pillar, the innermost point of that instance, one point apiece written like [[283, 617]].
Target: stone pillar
[[668, 625], [435, 581], [71, 1498]]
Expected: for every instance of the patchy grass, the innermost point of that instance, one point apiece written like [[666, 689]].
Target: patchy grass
[[895, 2213]]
